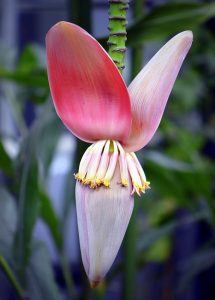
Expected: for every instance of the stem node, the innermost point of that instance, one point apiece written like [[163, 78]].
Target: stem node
[[117, 32]]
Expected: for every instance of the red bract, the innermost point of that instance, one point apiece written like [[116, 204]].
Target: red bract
[[89, 93]]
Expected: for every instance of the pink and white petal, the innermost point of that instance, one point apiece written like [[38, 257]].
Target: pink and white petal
[[88, 91], [103, 216], [150, 90]]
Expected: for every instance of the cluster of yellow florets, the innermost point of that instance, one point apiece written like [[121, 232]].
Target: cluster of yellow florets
[[99, 162]]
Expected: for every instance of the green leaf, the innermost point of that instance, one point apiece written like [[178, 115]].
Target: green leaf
[[28, 212], [30, 70], [51, 219], [150, 236], [50, 129], [37, 95], [159, 251], [167, 19], [27, 60], [185, 97], [11, 94], [30, 62], [5, 161], [40, 279], [32, 199], [167, 162], [33, 78], [8, 217], [164, 183], [199, 262]]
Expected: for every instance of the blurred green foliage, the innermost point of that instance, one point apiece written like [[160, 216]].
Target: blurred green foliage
[[176, 163]]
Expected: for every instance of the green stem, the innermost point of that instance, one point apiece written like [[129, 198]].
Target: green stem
[[137, 53], [117, 31], [130, 259], [9, 273]]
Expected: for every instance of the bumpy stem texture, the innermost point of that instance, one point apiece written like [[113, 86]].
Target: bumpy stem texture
[[117, 31]]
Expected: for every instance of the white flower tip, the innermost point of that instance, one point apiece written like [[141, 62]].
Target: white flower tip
[[187, 33], [186, 36]]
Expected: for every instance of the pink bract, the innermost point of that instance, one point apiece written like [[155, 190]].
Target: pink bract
[[88, 91], [151, 88]]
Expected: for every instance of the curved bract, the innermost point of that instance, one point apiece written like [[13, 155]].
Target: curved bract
[[151, 88], [88, 91]]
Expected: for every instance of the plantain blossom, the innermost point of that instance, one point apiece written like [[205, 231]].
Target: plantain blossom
[[93, 102]]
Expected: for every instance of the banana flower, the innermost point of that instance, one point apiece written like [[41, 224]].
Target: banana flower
[[93, 102]]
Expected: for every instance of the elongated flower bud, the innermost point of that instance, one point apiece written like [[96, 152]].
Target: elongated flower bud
[[103, 216], [106, 181]]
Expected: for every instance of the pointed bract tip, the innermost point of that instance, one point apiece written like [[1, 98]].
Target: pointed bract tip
[[61, 26], [185, 34], [60, 23], [94, 284], [189, 33]]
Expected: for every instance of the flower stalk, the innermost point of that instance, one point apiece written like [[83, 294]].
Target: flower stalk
[[117, 32], [130, 242]]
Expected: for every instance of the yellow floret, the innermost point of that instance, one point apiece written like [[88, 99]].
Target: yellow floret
[[106, 182], [124, 182]]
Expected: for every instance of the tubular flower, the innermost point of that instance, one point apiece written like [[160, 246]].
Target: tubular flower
[[94, 103]]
